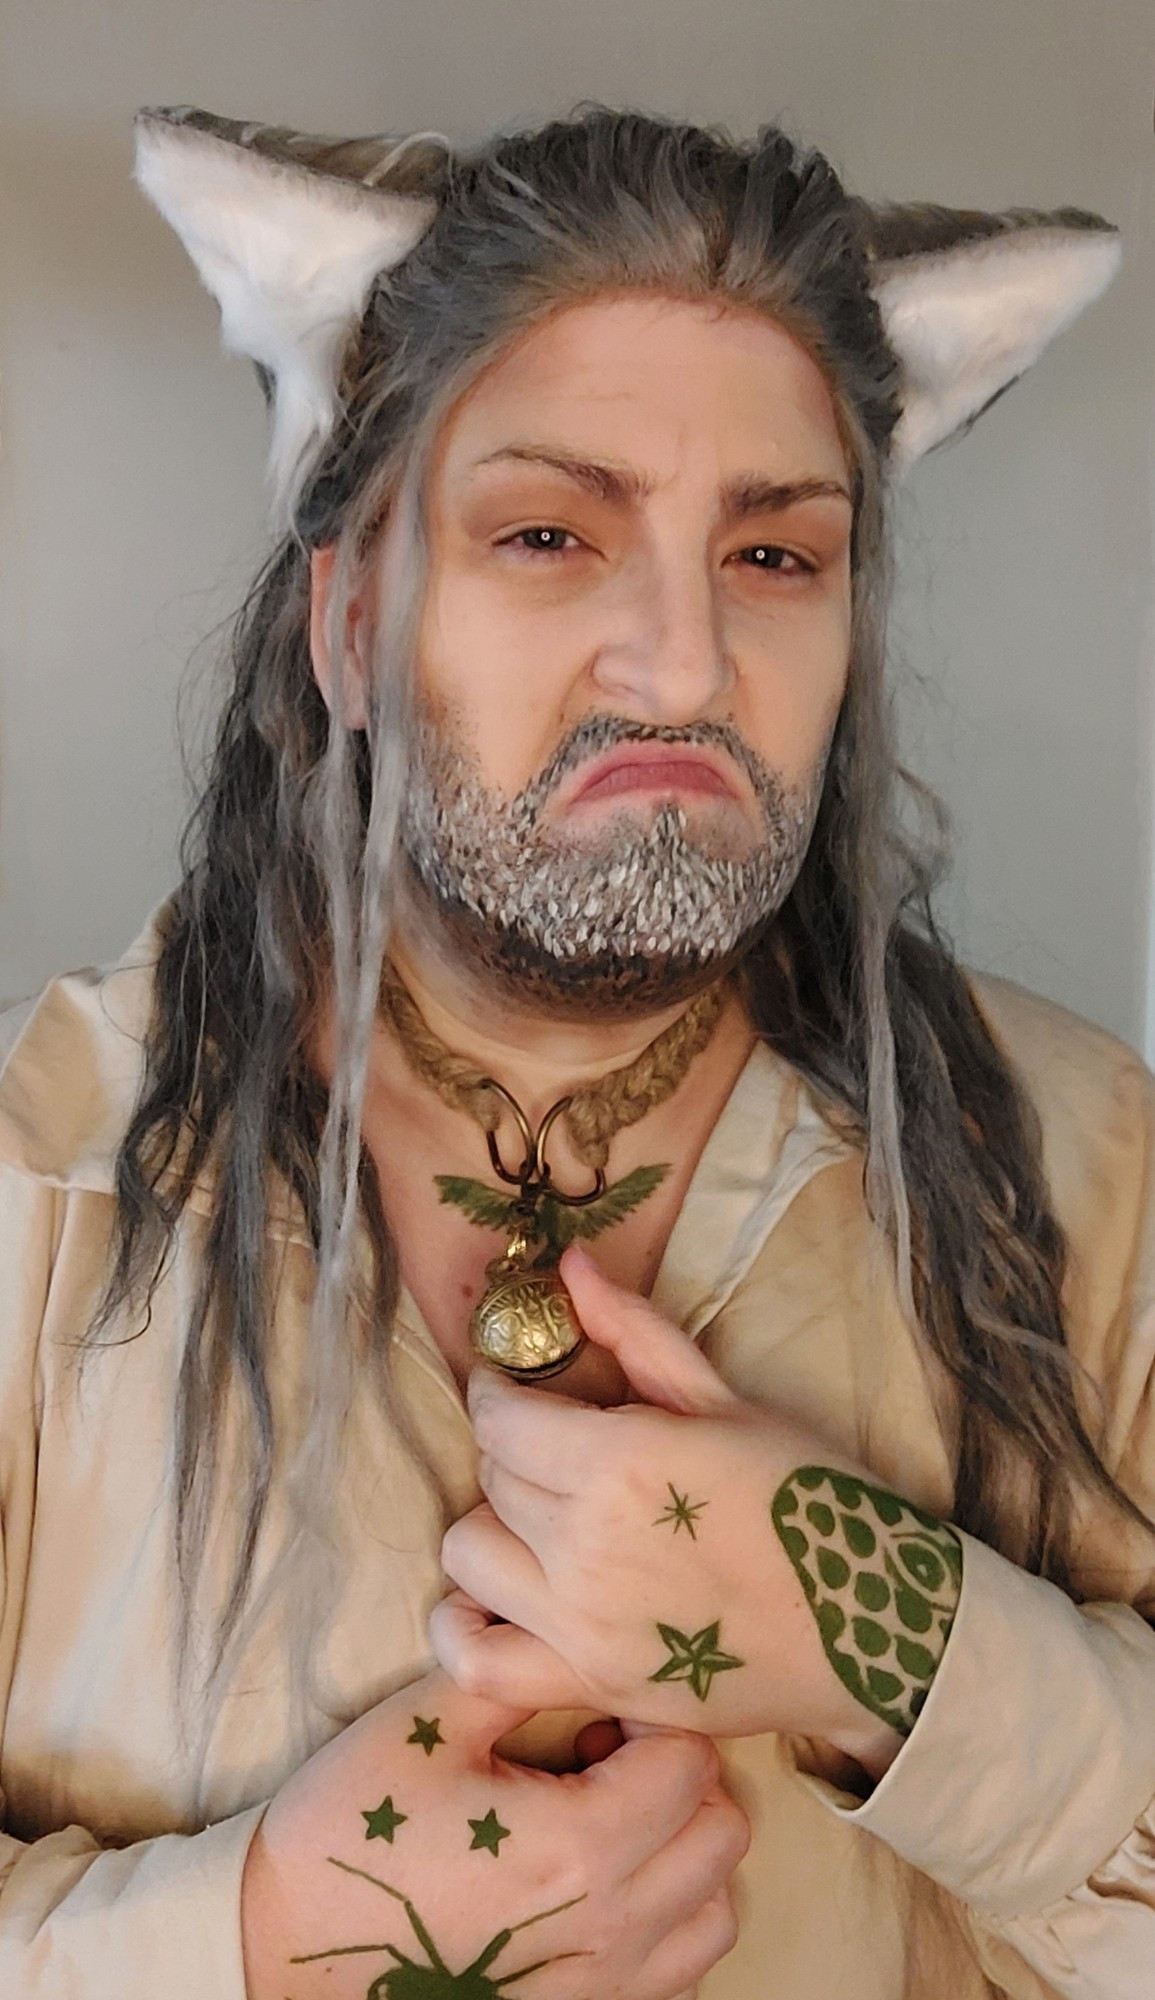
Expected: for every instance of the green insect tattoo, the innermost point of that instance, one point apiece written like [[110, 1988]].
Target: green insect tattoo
[[407, 1979], [882, 1579], [682, 1511], [695, 1657]]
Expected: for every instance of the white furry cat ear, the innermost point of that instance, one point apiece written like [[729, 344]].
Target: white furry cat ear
[[969, 301], [288, 233]]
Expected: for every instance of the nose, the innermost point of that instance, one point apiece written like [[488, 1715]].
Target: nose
[[665, 659]]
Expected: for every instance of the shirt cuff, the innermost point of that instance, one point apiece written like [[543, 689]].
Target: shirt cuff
[[160, 1916], [1034, 1755]]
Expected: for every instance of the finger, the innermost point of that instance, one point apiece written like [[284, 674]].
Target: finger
[[481, 1556], [647, 1791], [595, 1741], [662, 1362], [546, 1440], [680, 1960], [528, 1511], [500, 1663], [692, 1867]]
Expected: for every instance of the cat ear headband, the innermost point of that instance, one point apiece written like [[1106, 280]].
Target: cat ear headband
[[289, 233]]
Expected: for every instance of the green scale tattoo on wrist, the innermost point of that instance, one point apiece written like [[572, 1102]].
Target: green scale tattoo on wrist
[[882, 1579]]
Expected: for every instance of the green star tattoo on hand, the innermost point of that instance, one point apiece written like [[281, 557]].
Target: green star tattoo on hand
[[681, 1511], [882, 1579], [488, 1832], [695, 1657], [383, 1823], [427, 1734]]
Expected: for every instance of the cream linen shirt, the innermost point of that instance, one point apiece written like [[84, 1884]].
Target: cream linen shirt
[[1010, 1848]]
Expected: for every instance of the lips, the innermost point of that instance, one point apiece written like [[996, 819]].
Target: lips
[[654, 767]]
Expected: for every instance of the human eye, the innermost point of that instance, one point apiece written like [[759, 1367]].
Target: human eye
[[545, 540], [772, 556]]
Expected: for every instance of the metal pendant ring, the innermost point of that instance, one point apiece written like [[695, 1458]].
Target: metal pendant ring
[[534, 1176], [529, 1161], [544, 1177]]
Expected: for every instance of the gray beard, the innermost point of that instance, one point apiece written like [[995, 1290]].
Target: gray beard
[[644, 912]]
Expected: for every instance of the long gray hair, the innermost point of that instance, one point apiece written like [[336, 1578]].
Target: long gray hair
[[291, 860]]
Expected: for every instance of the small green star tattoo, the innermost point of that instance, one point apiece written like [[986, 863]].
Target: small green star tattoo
[[427, 1734], [488, 1832], [383, 1824], [695, 1657], [681, 1511]]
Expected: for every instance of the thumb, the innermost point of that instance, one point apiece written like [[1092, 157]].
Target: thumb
[[499, 1662], [661, 1362]]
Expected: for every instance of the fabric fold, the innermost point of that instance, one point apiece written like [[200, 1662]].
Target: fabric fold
[[1030, 1683]]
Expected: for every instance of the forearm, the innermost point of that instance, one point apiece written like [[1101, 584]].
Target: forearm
[[159, 1916]]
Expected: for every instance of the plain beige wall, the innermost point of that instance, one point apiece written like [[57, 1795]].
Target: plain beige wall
[[130, 507]]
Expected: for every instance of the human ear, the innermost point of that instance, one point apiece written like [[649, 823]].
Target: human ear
[[356, 663]]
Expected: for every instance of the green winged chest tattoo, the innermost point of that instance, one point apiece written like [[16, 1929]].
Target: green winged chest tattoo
[[555, 1223]]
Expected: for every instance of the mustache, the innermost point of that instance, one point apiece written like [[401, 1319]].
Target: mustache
[[598, 733]]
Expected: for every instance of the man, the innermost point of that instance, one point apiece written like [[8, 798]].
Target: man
[[548, 885]]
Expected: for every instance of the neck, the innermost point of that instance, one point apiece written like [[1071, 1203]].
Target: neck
[[535, 1056], [416, 1137]]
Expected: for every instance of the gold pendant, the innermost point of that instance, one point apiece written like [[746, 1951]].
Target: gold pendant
[[524, 1322]]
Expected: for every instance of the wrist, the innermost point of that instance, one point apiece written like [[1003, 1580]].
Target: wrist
[[263, 1964], [872, 1746]]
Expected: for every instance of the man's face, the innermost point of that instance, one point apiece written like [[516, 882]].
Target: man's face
[[633, 648]]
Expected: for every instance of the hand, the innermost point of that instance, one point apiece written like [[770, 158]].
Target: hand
[[407, 1839], [632, 1553]]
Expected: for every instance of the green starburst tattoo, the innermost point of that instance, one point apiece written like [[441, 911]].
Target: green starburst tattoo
[[695, 1657], [682, 1511], [427, 1734], [488, 1832], [383, 1822]]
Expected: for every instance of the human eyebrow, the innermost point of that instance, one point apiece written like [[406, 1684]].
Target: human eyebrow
[[622, 485], [618, 484], [753, 494]]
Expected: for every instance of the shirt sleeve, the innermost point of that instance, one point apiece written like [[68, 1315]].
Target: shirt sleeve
[[81, 1922], [1027, 1787]]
